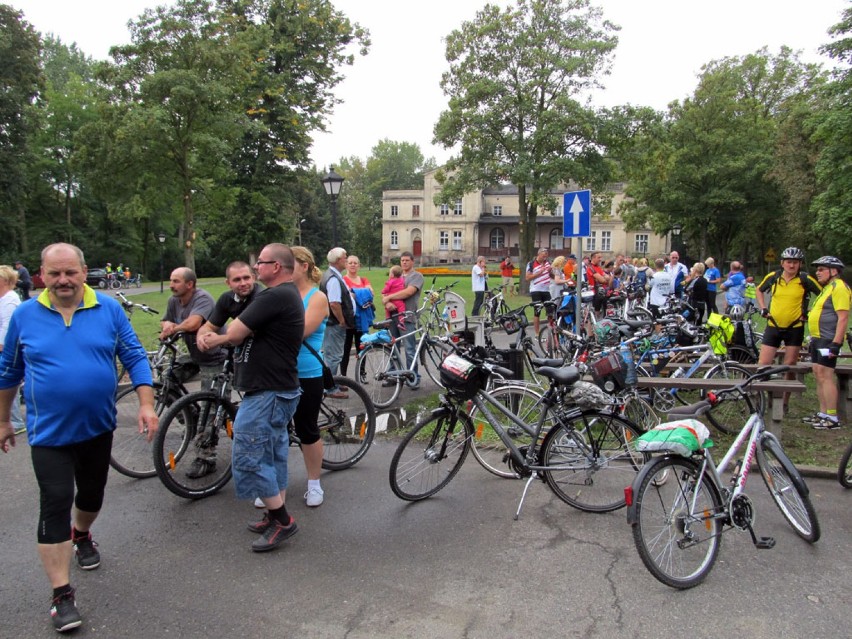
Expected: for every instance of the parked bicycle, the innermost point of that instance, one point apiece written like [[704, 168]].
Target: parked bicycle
[[679, 505], [585, 456]]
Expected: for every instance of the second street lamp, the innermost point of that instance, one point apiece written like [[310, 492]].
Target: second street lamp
[[161, 238], [332, 183]]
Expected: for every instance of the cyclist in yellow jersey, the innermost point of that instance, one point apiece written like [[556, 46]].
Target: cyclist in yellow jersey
[[787, 311], [827, 324]]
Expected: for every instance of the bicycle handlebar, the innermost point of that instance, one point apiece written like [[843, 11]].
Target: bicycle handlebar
[[128, 305]]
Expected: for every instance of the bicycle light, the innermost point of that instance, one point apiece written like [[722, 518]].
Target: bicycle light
[[628, 495]]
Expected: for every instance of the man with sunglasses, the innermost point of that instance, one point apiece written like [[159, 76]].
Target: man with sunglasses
[[827, 323]]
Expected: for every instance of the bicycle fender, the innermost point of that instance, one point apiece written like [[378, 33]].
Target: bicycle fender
[[771, 441]]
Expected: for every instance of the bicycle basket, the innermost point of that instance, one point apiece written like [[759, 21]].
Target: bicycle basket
[[608, 372], [513, 322], [461, 377]]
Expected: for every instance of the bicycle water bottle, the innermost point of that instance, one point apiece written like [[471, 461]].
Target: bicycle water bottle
[[629, 366], [678, 372]]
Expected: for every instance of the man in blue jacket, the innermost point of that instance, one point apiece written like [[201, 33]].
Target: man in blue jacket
[[64, 345]]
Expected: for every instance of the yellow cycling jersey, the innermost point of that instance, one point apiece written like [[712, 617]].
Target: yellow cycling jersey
[[822, 320], [787, 304]]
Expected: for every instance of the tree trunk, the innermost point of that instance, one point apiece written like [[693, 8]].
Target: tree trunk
[[526, 237], [189, 230]]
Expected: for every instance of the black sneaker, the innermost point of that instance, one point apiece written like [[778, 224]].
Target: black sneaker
[[64, 613], [200, 467], [88, 557], [811, 419], [827, 424], [274, 535], [260, 527]]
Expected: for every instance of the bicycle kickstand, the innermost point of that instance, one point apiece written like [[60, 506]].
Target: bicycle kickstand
[[524, 496]]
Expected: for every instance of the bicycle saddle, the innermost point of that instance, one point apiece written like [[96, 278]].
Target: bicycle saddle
[[564, 375]]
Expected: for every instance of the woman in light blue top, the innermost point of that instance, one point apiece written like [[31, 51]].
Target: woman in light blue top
[[306, 276]]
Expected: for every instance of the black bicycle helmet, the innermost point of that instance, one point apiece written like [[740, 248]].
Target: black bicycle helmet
[[792, 253], [830, 261]]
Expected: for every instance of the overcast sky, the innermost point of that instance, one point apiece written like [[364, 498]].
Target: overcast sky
[[394, 92]]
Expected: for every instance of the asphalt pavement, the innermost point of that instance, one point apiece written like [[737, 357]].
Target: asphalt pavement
[[366, 564]]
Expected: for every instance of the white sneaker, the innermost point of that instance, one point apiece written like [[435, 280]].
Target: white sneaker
[[313, 497], [258, 503]]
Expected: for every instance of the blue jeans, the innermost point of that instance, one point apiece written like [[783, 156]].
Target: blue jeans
[[332, 346], [262, 443]]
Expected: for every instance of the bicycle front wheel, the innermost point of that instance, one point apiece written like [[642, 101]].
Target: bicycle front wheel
[[430, 455], [374, 363], [844, 472], [677, 528], [131, 452], [788, 492], [731, 413], [347, 426], [194, 446], [487, 447], [589, 458], [433, 353]]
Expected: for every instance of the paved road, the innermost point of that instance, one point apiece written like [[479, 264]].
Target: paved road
[[366, 564]]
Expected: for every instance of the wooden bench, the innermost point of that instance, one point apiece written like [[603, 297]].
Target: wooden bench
[[774, 389]]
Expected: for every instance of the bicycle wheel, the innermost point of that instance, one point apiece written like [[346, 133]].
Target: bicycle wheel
[[433, 353], [131, 452], [347, 426], [115, 284], [731, 413], [676, 527], [206, 434], [742, 355], [547, 342], [430, 455], [640, 412], [374, 363], [787, 488], [487, 447], [844, 472], [532, 350], [589, 458]]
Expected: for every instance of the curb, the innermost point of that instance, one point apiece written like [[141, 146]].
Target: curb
[[818, 472]]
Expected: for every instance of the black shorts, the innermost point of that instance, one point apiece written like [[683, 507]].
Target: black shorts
[[307, 412], [539, 296], [814, 347], [794, 336]]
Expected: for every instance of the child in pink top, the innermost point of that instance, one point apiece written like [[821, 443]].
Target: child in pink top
[[395, 283]]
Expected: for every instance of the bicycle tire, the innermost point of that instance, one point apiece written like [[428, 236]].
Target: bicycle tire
[[678, 545], [731, 413], [347, 426], [547, 342], [433, 353], [374, 362], [531, 350], [640, 412], [430, 455], [741, 355], [131, 453], [114, 285], [640, 313], [487, 447], [787, 488], [598, 456], [844, 471], [209, 426]]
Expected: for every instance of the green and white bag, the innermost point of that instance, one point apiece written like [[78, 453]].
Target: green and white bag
[[681, 437]]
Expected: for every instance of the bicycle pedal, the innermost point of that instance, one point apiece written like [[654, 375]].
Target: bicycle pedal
[[765, 543]]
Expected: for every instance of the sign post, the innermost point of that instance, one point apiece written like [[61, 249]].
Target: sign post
[[577, 222]]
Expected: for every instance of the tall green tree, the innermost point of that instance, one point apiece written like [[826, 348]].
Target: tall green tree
[[833, 205], [21, 84], [516, 109]]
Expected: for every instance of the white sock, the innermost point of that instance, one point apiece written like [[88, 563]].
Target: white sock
[[314, 483]]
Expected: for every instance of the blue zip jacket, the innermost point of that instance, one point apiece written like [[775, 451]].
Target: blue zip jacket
[[68, 370]]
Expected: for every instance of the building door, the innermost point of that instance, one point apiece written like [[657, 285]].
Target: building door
[[418, 247]]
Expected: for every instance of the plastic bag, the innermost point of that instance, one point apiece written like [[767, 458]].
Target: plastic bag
[[681, 437]]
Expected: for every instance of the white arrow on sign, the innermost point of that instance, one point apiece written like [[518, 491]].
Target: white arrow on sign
[[576, 209]]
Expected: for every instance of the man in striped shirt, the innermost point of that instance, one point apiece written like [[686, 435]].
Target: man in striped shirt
[[538, 275]]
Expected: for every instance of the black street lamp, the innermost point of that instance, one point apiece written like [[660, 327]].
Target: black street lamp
[[332, 183], [676, 229], [161, 238]]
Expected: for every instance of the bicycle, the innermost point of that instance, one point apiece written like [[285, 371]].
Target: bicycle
[[679, 506], [584, 456], [202, 422], [136, 281], [131, 450]]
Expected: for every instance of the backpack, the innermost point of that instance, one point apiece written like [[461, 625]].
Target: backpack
[[807, 286], [641, 277]]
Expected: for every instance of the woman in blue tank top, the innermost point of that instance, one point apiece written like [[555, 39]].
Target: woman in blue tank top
[[306, 276]]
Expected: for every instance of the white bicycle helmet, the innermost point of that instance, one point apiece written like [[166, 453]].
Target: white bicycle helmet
[[830, 261], [792, 253], [736, 312]]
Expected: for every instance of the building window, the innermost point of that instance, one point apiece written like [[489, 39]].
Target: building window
[[498, 209], [457, 240], [415, 210], [443, 241], [641, 243], [558, 210], [498, 239], [394, 210], [445, 209], [606, 240], [394, 240], [590, 241], [458, 208], [556, 238]]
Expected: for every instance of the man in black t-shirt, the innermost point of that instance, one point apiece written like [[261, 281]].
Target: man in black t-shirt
[[240, 279], [268, 335]]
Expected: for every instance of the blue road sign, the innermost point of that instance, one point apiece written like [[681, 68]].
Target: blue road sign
[[577, 214]]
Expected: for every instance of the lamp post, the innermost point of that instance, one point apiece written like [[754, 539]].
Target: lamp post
[[161, 238], [676, 229], [332, 183], [301, 221]]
